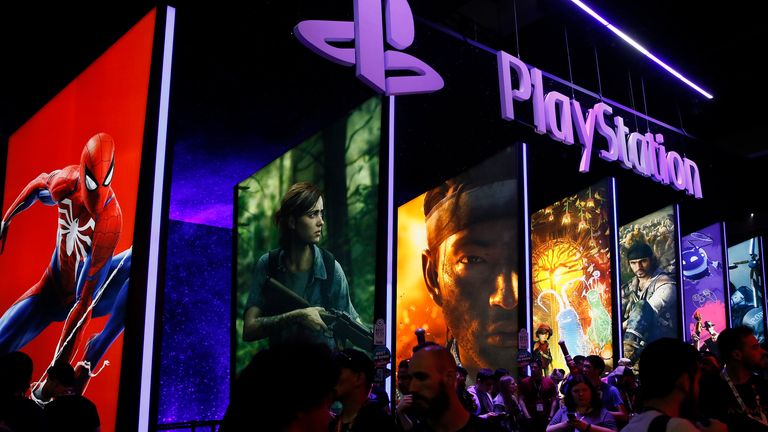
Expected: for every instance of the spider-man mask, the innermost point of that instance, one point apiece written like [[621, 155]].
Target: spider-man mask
[[97, 164]]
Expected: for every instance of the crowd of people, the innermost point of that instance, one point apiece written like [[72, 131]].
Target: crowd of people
[[56, 405], [307, 388]]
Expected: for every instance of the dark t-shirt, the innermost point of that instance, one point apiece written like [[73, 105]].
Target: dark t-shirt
[[538, 397], [718, 401], [475, 424], [72, 413], [22, 415], [371, 417]]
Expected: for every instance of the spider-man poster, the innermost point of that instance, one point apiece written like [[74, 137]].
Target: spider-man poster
[[67, 224], [703, 286]]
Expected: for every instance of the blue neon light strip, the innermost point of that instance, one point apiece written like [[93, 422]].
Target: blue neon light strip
[[641, 48], [390, 226], [527, 244], [154, 242], [617, 262]]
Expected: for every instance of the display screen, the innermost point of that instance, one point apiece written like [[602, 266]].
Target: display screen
[[458, 254], [745, 271], [306, 239], [68, 222], [703, 286], [571, 273], [649, 281]]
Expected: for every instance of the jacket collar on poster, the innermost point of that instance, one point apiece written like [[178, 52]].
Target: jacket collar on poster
[[318, 268]]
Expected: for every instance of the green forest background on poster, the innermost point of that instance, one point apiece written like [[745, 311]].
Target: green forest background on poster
[[343, 161]]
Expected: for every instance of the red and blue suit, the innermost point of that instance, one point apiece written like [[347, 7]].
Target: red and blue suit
[[85, 278]]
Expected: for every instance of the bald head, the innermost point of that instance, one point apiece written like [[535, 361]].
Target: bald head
[[433, 381], [436, 358]]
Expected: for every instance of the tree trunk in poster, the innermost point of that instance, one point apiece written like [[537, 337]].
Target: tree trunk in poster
[[336, 210]]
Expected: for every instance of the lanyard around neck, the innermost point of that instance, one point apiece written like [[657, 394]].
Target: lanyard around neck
[[740, 401]]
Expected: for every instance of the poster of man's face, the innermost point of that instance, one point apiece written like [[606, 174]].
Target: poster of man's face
[[745, 271], [457, 266], [649, 272], [571, 268], [703, 286]]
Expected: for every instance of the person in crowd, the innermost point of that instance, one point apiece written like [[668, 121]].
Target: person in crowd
[[17, 411], [539, 396], [669, 378], [481, 393], [433, 386], [558, 377], [508, 404], [593, 368], [497, 375], [265, 393], [467, 401], [68, 410], [583, 410], [353, 390], [404, 418], [626, 384], [740, 396]]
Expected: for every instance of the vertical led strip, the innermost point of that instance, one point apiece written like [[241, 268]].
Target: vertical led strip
[[154, 242], [727, 273], [527, 243], [761, 257], [390, 227], [617, 262], [679, 257], [641, 48]]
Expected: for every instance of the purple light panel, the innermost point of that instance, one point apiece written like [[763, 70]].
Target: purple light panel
[[703, 283]]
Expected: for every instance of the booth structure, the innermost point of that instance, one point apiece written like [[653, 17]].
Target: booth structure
[[500, 205]]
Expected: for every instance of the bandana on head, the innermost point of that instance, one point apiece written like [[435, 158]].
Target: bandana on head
[[467, 205]]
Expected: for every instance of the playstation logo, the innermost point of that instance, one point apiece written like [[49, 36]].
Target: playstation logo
[[368, 56]]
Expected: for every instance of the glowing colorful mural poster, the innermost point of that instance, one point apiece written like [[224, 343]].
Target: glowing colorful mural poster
[[703, 286], [457, 266], [649, 277], [571, 277], [745, 272]]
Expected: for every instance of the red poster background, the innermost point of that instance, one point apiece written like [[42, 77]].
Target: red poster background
[[109, 96]]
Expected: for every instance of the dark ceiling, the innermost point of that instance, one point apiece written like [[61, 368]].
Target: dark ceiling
[[44, 47]]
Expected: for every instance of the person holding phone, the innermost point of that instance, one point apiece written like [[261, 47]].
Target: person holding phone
[[583, 410]]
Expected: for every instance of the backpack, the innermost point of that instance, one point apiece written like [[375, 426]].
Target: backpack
[[659, 424]]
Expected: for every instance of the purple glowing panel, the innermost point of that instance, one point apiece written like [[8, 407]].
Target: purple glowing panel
[[703, 286], [370, 58], [641, 48], [745, 270], [195, 322]]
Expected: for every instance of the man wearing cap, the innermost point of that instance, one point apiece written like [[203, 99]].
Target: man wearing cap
[[353, 390], [648, 300], [470, 266]]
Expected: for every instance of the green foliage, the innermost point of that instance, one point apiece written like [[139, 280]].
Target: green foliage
[[259, 197]]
